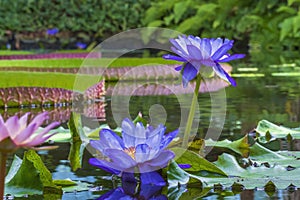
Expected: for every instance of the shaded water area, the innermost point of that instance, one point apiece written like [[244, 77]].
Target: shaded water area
[[268, 92]]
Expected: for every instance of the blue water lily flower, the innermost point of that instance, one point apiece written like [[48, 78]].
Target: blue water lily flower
[[81, 45], [52, 31], [196, 52], [139, 150]]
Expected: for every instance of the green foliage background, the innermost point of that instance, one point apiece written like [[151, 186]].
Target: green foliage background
[[99, 17], [268, 24]]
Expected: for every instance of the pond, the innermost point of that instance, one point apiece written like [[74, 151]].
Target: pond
[[263, 92]]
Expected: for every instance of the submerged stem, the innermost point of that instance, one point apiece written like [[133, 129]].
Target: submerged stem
[[191, 113], [3, 157]]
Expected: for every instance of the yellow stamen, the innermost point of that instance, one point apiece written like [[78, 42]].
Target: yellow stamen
[[131, 152]]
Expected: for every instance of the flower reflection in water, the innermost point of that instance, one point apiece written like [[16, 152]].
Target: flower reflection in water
[[132, 190]]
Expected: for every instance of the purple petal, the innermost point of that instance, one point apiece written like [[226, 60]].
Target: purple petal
[[110, 139], [158, 162], [180, 43], [188, 74], [216, 44], [150, 191], [98, 145], [206, 46], [142, 153], [172, 57], [133, 135], [155, 136], [184, 166], [103, 164], [120, 160], [129, 183], [178, 68], [117, 193], [128, 129], [232, 57], [194, 52], [168, 138], [223, 74], [162, 159], [152, 178], [221, 51]]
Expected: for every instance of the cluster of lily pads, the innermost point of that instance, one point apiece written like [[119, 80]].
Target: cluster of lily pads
[[145, 158]]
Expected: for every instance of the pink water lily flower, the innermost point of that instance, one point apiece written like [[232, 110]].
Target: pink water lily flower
[[16, 133]]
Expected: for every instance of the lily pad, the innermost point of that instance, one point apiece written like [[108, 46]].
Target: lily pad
[[267, 131], [197, 162], [240, 146], [30, 176]]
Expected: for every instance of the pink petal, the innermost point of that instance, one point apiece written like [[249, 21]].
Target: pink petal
[[3, 130], [38, 140], [13, 126], [23, 120], [39, 119], [24, 135], [49, 127]]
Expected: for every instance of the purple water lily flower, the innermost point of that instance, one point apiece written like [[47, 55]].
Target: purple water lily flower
[[196, 52], [81, 45], [140, 150], [52, 31]]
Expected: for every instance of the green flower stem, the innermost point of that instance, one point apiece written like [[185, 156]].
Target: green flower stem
[[3, 157], [191, 113]]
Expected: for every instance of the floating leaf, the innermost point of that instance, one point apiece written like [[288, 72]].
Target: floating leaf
[[78, 186], [240, 146], [259, 176], [64, 182], [30, 176], [198, 163], [176, 175], [268, 130]]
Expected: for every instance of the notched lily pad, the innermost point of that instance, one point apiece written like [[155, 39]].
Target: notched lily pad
[[268, 131]]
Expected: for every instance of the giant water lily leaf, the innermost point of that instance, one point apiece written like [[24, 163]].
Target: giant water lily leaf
[[267, 131], [30, 176], [240, 146]]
